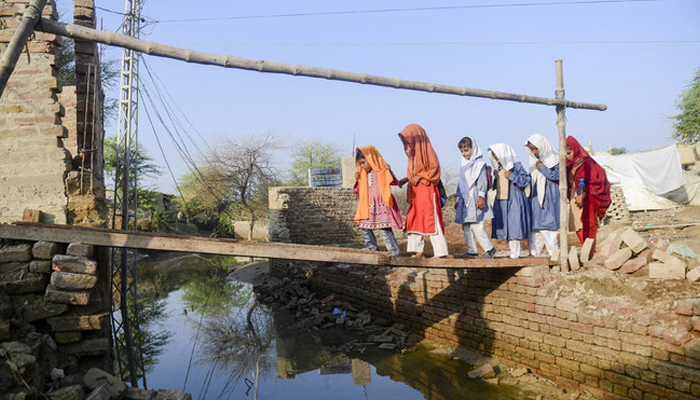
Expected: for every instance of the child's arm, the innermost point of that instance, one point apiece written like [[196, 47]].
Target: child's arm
[[519, 176], [482, 184], [551, 174]]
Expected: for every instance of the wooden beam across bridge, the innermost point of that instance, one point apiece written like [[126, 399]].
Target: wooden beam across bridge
[[235, 247]]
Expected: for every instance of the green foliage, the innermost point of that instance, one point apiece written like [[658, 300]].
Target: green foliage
[[144, 162], [687, 125], [311, 154], [214, 296], [618, 150]]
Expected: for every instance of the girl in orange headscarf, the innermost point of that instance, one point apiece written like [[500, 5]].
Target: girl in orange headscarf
[[377, 209], [424, 215], [589, 190]]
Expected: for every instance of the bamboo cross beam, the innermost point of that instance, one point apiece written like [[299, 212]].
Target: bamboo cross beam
[[191, 56], [19, 39]]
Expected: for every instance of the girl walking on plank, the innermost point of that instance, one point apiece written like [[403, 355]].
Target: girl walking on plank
[[589, 190], [377, 209], [472, 206], [544, 194], [511, 211], [424, 215]]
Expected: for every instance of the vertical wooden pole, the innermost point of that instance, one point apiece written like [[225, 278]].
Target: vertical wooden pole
[[563, 214], [25, 28]]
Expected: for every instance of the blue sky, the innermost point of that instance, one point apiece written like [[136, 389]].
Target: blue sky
[[635, 56]]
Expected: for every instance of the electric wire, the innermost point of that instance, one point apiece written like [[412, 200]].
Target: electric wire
[[394, 10]]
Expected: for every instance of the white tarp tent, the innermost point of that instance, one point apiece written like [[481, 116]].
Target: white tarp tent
[[652, 179]]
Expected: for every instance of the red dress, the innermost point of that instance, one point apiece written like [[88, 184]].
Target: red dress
[[425, 207]]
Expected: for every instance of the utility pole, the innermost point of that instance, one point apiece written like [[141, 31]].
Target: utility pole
[[125, 328]]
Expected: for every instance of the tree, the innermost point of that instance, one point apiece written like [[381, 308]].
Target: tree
[[232, 183], [311, 154], [144, 162], [618, 150], [687, 125]]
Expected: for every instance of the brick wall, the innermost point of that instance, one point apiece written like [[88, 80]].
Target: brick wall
[[313, 215], [612, 348], [54, 312]]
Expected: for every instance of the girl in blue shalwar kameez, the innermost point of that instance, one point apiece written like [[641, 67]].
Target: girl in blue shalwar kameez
[[511, 214], [544, 196]]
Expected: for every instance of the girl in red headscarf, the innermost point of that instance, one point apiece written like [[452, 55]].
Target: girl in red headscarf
[[424, 215], [589, 190]]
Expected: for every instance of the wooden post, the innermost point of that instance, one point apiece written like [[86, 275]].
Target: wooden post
[[563, 214], [26, 26]]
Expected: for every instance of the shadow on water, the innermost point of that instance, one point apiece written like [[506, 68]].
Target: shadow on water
[[221, 344]]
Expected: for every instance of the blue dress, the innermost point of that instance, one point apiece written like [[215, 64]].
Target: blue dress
[[511, 218], [469, 213], [546, 217]]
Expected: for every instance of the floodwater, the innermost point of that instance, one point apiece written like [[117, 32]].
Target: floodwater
[[212, 339]]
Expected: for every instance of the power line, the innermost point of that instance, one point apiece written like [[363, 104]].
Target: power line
[[393, 10], [471, 43]]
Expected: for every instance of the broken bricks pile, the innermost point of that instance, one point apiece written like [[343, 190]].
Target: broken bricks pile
[[313, 314], [627, 252]]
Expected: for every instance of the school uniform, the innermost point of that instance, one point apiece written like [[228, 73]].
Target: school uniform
[[544, 196]]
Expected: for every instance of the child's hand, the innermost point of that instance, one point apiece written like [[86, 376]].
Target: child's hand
[[578, 199], [416, 180], [539, 164], [357, 175], [507, 174], [481, 203], [402, 182], [387, 166]]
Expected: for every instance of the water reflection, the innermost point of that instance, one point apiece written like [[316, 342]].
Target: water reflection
[[228, 346]]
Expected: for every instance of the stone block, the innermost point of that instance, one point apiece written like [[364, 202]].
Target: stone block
[[40, 266], [18, 252], [485, 371], [38, 309], [587, 250], [172, 394], [693, 275], [659, 270], [74, 392], [100, 393], [29, 215], [633, 265], [573, 259], [91, 347], [687, 306], [610, 245], [96, 377], [30, 283], [13, 268], [80, 250], [76, 298], [67, 337], [538, 270], [618, 258], [79, 323], [692, 348], [44, 250], [634, 241], [667, 258], [73, 281], [133, 393], [5, 333], [78, 265]]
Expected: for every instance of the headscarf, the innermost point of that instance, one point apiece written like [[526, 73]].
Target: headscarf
[[506, 156], [597, 185], [469, 170], [384, 178], [549, 158], [424, 162]]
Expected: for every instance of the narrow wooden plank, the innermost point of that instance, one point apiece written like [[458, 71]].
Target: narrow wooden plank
[[196, 244]]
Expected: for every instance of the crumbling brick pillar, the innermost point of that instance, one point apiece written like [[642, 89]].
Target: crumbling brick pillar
[[33, 162]]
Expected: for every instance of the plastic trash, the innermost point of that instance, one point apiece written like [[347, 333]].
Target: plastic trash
[[682, 250]]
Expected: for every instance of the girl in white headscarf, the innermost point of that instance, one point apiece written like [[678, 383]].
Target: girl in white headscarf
[[472, 206], [544, 195], [511, 211]]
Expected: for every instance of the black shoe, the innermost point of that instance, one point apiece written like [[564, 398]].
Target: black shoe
[[489, 254], [469, 255]]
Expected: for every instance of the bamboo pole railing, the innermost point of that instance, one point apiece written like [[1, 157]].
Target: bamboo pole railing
[[563, 211], [191, 56], [25, 28]]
